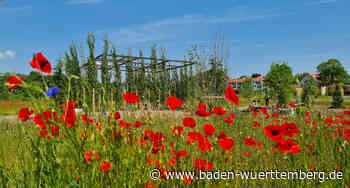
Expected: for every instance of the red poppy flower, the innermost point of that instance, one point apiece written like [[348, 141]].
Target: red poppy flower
[[292, 105], [290, 129], [222, 135], [346, 122], [14, 82], [310, 147], [247, 153], [55, 130], [202, 110], [256, 124], [70, 118], [99, 126], [131, 98], [226, 143], [91, 156], [339, 116], [203, 165], [307, 114], [249, 142], [39, 121], [149, 185], [346, 134], [157, 147], [229, 120], [193, 137], [255, 114], [231, 95], [312, 167], [328, 120], [43, 133], [149, 161], [116, 115], [174, 102], [105, 166], [203, 143], [84, 134], [287, 146], [148, 134], [263, 110], [274, 132], [347, 112], [189, 122], [69, 105], [137, 124], [86, 120], [177, 130], [24, 114], [209, 129], [275, 115], [181, 153], [158, 137], [218, 110], [124, 124], [41, 63]]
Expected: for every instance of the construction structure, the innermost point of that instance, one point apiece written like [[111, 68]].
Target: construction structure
[[135, 63]]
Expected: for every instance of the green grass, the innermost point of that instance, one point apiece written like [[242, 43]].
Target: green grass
[[27, 159]]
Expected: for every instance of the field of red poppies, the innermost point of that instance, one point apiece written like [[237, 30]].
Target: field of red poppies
[[54, 146]]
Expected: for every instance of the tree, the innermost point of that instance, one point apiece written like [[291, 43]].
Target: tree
[[279, 80], [309, 93], [332, 72], [298, 77], [337, 97], [60, 81], [255, 75]]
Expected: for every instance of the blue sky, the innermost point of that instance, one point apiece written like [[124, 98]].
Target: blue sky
[[257, 33]]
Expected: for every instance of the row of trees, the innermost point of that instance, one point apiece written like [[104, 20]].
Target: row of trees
[[280, 81]]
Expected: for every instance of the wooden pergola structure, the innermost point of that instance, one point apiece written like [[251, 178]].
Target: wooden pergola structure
[[135, 63]]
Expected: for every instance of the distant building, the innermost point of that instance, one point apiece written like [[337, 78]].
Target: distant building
[[257, 82], [345, 90]]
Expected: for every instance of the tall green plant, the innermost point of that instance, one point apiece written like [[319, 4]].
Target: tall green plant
[[117, 84], [91, 68]]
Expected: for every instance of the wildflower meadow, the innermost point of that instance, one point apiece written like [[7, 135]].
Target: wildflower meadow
[[53, 144]]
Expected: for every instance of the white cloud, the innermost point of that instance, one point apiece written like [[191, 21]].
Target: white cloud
[[7, 54], [319, 2], [76, 2], [14, 9], [171, 27]]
